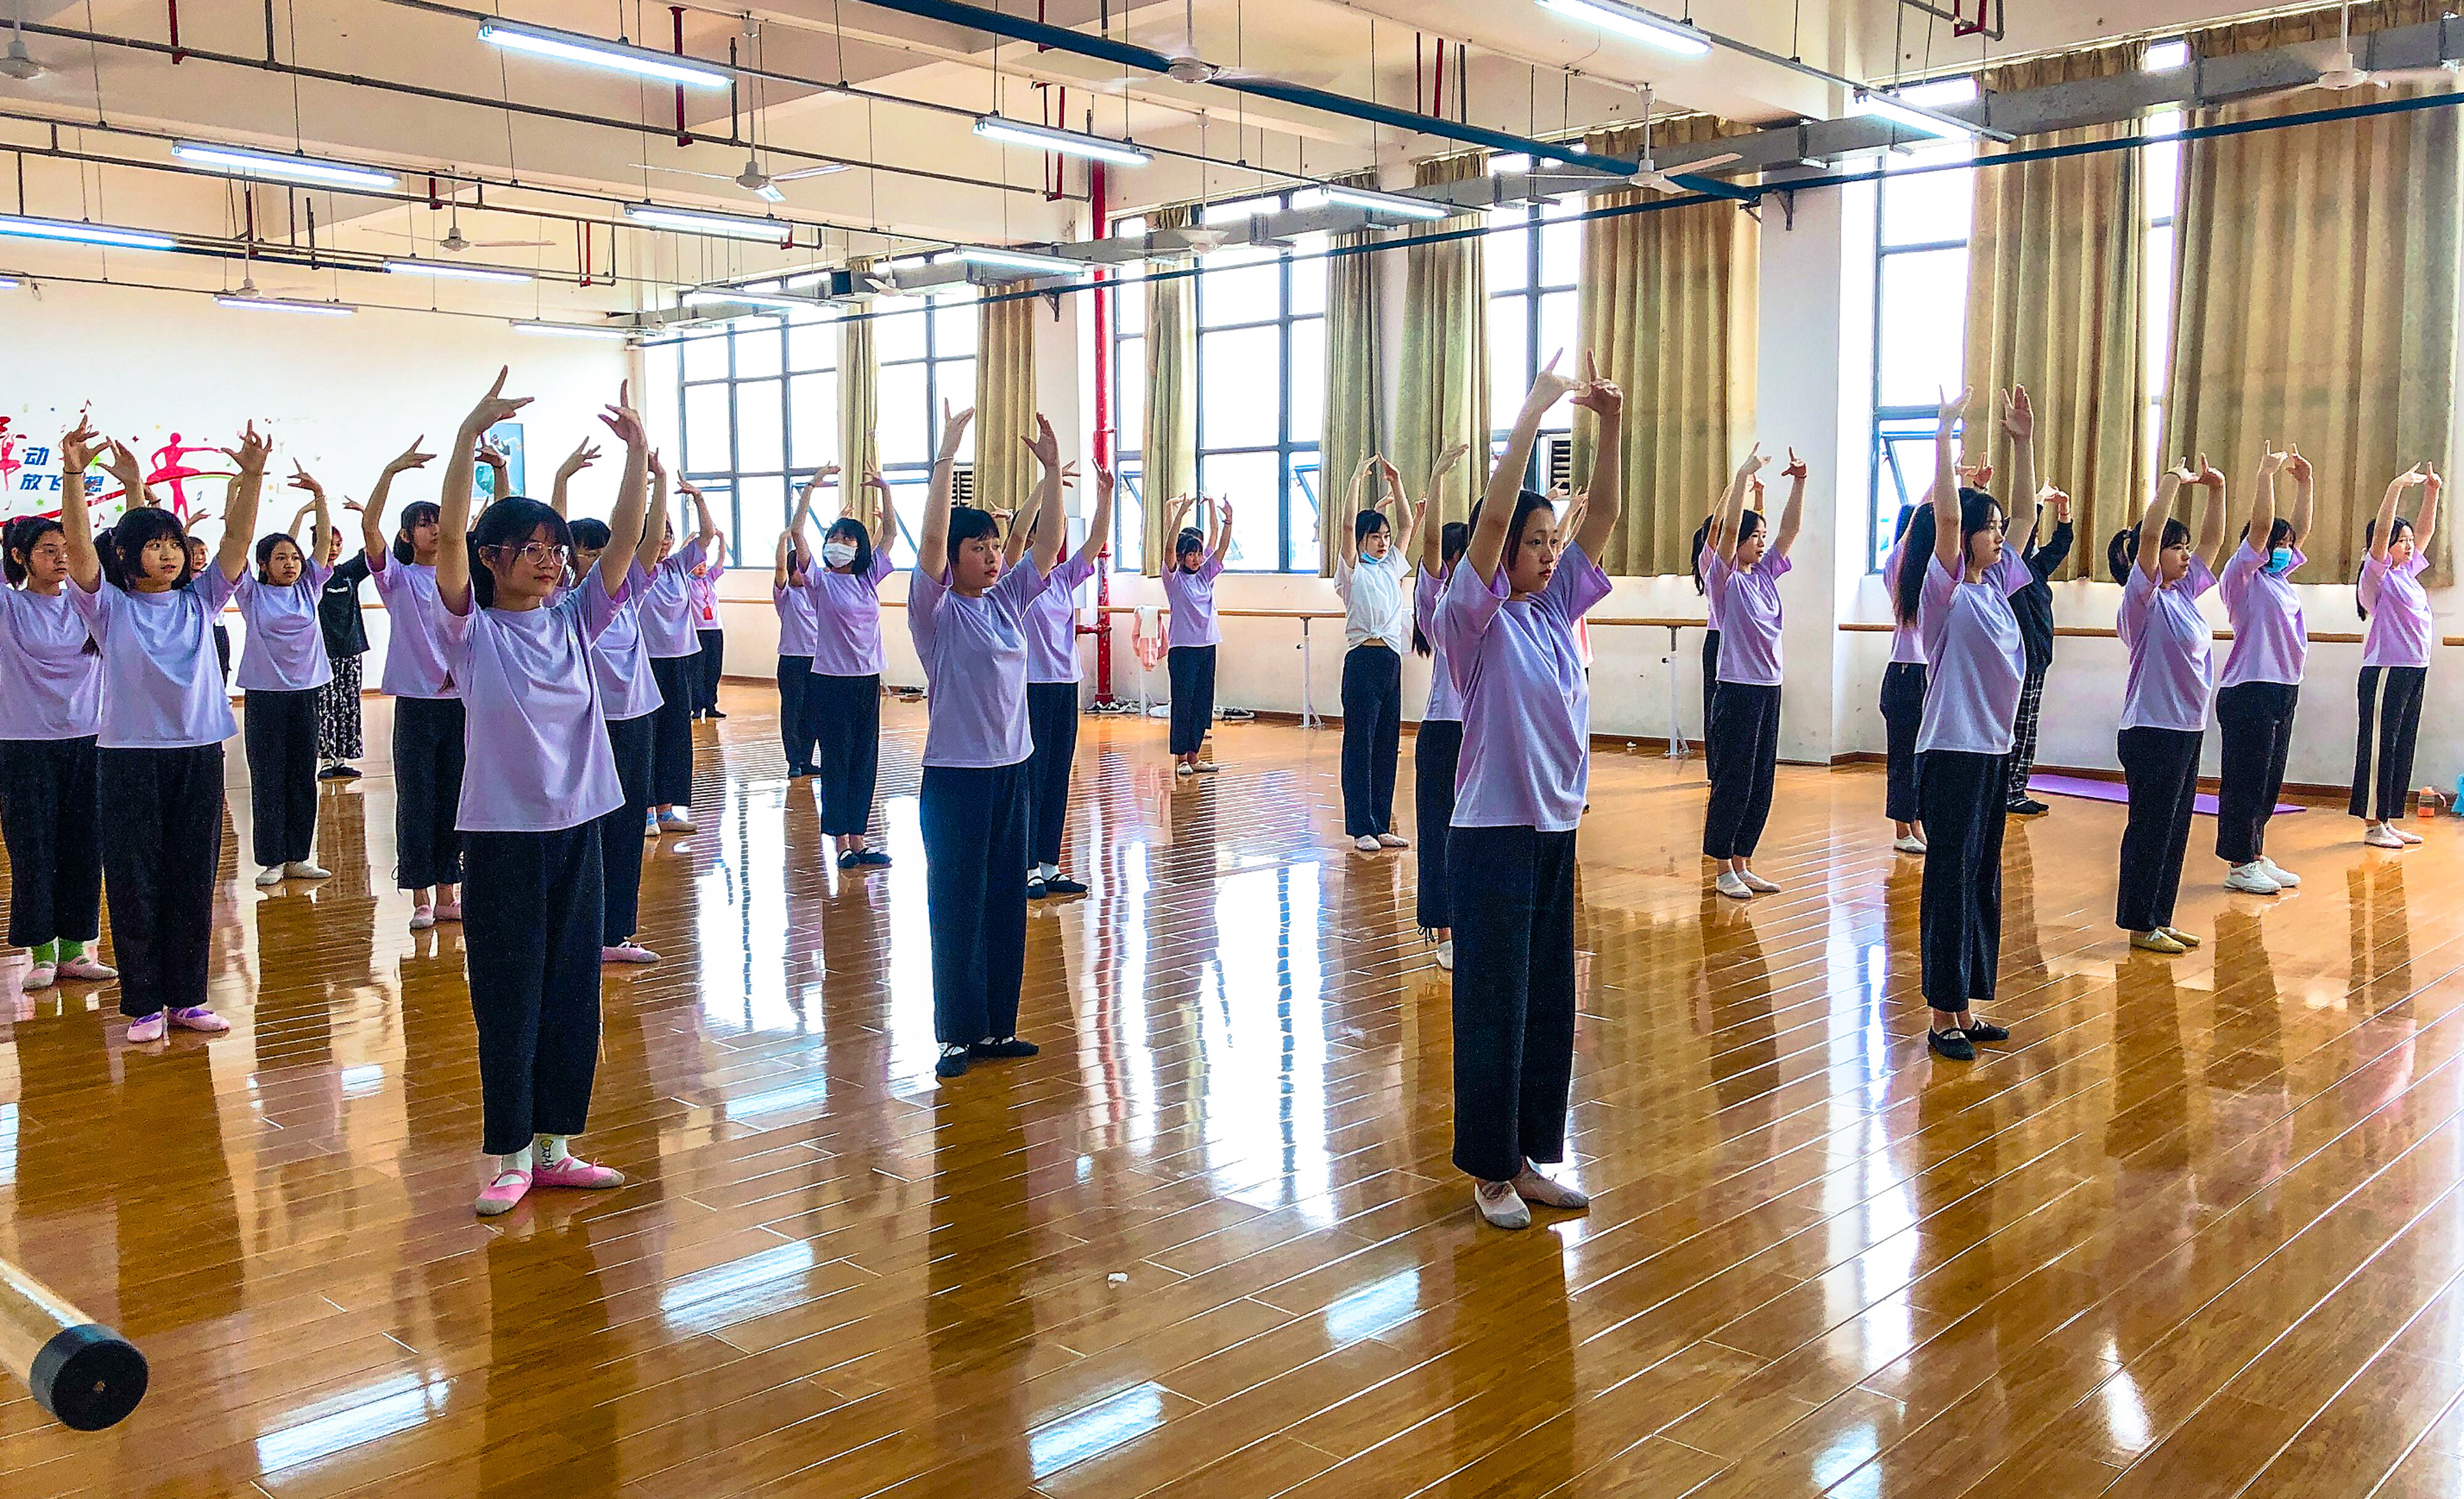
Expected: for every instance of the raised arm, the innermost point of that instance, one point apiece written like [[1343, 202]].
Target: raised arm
[[654, 510], [885, 521], [1055, 528], [1791, 515], [1223, 526], [239, 527], [2160, 510], [1347, 536], [933, 541], [2019, 424], [583, 454], [1506, 480], [77, 522], [1732, 504], [1433, 514], [1099, 527], [2262, 497], [827, 473], [706, 531], [1945, 496], [2386, 513], [629, 524], [1407, 516], [498, 467], [372, 537], [2425, 525], [453, 499], [2211, 515], [780, 574], [1603, 502], [301, 478], [2299, 467]]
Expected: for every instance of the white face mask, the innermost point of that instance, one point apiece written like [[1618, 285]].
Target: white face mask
[[838, 554]]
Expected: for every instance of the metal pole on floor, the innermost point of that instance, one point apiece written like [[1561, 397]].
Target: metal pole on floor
[[85, 1375], [1678, 748]]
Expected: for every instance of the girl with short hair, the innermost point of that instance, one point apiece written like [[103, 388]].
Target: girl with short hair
[[843, 696], [283, 673], [428, 729], [2395, 657], [1052, 688], [1370, 568], [1189, 590], [669, 634]]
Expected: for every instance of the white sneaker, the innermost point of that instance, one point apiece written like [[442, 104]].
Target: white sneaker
[[1367, 843], [1394, 840], [2252, 879], [1446, 955], [2280, 874], [1911, 844], [1732, 887], [270, 875], [302, 870], [1498, 1202], [1185, 768], [2409, 839], [1759, 885], [2382, 836], [1207, 767]]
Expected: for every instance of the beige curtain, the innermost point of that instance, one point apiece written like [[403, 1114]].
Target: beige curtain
[[2056, 261], [1004, 398], [1355, 417], [1168, 446], [2316, 302], [1668, 307], [1443, 396], [859, 409]]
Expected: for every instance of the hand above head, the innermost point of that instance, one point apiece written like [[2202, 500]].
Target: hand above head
[[2183, 474], [301, 479], [2052, 495], [2208, 476], [872, 480], [1752, 465], [1549, 388], [2294, 464], [953, 426], [411, 458], [80, 446], [2408, 478], [822, 477], [1104, 481], [2433, 483], [492, 453], [1949, 409], [584, 453], [251, 453], [1795, 469], [2018, 414], [621, 419], [1974, 475], [687, 488], [1045, 444], [2270, 461], [1597, 396], [494, 406], [1450, 460]]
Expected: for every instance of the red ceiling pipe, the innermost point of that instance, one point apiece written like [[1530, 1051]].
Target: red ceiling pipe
[[684, 137], [1096, 183], [179, 54]]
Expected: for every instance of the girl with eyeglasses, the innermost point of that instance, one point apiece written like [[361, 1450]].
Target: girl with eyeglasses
[[166, 715], [675, 650], [427, 702], [541, 778], [283, 670]]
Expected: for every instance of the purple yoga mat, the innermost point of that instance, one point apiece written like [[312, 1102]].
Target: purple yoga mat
[[2115, 791]]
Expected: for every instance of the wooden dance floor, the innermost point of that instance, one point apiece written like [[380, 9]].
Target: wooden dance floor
[[2195, 1231]]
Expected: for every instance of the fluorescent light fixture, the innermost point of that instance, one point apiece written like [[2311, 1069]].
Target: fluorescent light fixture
[[1068, 143], [1392, 204], [572, 330], [285, 304], [245, 162], [768, 192], [409, 266], [590, 52], [697, 221], [22, 227], [1882, 106], [2166, 57], [727, 296], [1940, 93], [9, 283], [1668, 34], [992, 259]]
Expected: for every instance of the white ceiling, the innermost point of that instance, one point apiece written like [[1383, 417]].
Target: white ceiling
[[379, 64]]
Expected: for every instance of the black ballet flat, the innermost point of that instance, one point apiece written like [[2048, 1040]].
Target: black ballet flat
[[1002, 1050], [1984, 1031], [873, 858], [1064, 885], [850, 859], [952, 1064], [1034, 888], [713, 713], [1952, 1044]]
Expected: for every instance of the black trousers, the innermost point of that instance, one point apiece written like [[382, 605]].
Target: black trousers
[[1052, 721], [620, 832], [2161, 766], [222, 649], [713, 665], [1710, 690], [279, 732], [844, 713], [337, 711], [1437, 750], [2397, 712], [161, 861], [974, 822], [427, 791], [530, 943], [672, 747], [1963, 801], [1903, 691], [1373, 727], [2023, 733], [48, 807], [1513, 997], [1745, 757], [1193, 695], [795, 730], [2256, 724]]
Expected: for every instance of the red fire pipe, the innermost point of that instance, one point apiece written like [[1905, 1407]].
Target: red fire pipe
[[683, 135], [179, 54], [1096, 183]]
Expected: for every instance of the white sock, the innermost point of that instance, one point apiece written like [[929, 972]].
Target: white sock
[[552, 1150], [1048, 871], [518, 1160]]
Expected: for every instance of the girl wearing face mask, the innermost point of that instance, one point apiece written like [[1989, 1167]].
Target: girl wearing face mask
[[793, 601], [843, 696], [283, 670], [1369, 573], [967, 614], [51, 713], [1052, 689], [1745, 716], [541, 778], [427, 702], [1975, 662], [675, 651], [1507, 625], [165, 717], [2395, 657], [1437, 747], [1189, 590], [2262, 678], [702, 588], [2165, 703]]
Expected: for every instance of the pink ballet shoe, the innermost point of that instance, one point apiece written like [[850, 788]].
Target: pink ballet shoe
[[448, 910], [88, 969], [146, 1030], [503, 1193], [575, 1172], [196, 1016]]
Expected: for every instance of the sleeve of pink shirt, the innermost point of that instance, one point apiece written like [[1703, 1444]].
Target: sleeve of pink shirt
[[2199, 577], [2240, 569], [2366, 587], [881, 567], [683, 558], [1576, 586], [95, 608], [1021, 585], [1072, 572], [1463, 614], [924, 596], [593, 607], [1211, 569], [1933, 605], [2137, 594], [215, 588], [2011, 572]]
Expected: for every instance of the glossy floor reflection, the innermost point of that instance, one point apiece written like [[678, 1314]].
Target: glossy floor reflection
[[2198, 1230]]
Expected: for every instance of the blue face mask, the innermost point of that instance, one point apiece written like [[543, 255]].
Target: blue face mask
[[2279, 561]]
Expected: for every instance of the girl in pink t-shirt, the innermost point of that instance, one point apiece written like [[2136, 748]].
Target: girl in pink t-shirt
[[2395, 657]]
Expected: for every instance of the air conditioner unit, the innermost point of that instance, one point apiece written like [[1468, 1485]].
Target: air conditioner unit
[[1556, 461], [963, 483]]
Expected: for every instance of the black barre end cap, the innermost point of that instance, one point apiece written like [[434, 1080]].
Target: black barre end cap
[[88, 1376]]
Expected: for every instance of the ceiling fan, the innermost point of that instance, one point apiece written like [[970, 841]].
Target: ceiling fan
[[18, 63], [1183, 64], [753, 179], [2341, 71], [454, 242], [1650, 176]]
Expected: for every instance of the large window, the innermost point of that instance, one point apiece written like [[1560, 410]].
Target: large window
[[926, 348], [758, 406], [1534, 260]]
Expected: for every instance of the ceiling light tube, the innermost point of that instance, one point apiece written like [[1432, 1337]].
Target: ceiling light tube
[[1392, 204], [21, 226], [593, 53], [716, 296], [695, 221], [9, 283], [1923, 122], [572, 330], [1680, 37], [1068, 143], [284, 305], [412, 266], [245, 162], [993, 258]]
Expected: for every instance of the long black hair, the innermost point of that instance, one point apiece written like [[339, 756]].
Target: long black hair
[[1907, 587], [1525, 503], [17, 541], [122, 549], [2121, 553], [590, 535], [850, 527], [413, 515], [265, 549], [509, 522], [1694, 552], [2369, 540], [2279, 533], [1454, 538]]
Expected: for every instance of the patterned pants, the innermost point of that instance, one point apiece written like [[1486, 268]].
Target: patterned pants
[[2023, 733], [337, 712]]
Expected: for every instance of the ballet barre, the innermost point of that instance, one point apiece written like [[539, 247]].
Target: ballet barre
[[2316, 637], [83, 1374]]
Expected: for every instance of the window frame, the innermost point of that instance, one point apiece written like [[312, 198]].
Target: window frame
[[728, 483]]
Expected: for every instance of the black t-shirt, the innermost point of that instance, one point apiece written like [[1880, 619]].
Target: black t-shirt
[[2033, 604], [338, 608]]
